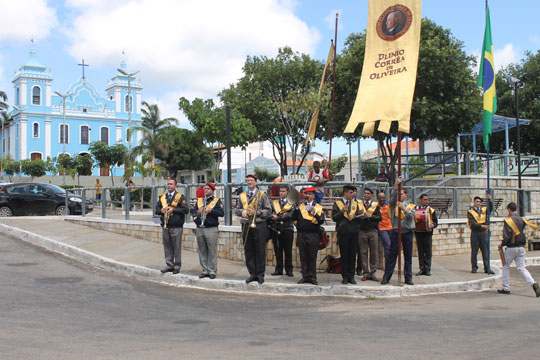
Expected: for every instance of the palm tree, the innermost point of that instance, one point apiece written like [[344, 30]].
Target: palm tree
[[150, 128], [3, 97]]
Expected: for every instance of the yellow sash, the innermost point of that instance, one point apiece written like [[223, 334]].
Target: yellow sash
[[371, 209], [279, 210], [400, 214], [174, 203], [210, 205], [481, 219], [341, 206], [510, 222], [243, 199], [307, 216]]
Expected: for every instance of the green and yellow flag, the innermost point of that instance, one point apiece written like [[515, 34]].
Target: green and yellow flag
[[486, 80], [388, 77], [315, 117]]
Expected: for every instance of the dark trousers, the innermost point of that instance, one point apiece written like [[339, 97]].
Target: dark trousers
[[308, 246], [283, 245], [255, 249], [479, 240], [358, 257], [424, 242], [348, 248], [391, 259], [384, 236]]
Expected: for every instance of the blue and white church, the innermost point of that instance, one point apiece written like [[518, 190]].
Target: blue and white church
[[38, 130]]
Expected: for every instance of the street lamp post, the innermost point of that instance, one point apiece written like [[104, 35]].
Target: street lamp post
[[63, 137], [521, 206]]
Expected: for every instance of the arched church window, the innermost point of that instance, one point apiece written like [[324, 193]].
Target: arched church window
[[35, 130], [128, 103], [104, 136], [64, 134], [85, 131], [36, 95]]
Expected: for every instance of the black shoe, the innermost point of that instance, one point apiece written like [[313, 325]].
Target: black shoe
[[203, 275], [344, 281], [176, 271], [251, 279], [502, 291], [302, 281], [212, 276], [490, 272], [421, 272], [290, 274], [359, 272], [427, 273], [474, 271], [314, 282], [352, 281], [384, 281], [166, 270], [409, 282], [536, 289], [277, 273], [260, 280]]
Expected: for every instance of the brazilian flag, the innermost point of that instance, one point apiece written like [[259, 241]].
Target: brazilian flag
[[486, 80]]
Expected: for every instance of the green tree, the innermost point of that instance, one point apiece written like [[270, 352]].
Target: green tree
[[50, 165], [183, 150], [83, 165], [528, 72], [278, 95], [445, 93], [3, 98], [34, 168], [108, 156], [12, 167], [339, 163], [211, 122], [264, 174]]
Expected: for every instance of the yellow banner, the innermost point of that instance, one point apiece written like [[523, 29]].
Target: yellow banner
[[389, 72], [313, 124]]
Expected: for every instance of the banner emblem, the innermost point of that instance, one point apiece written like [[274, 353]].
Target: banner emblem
[[394, 22]]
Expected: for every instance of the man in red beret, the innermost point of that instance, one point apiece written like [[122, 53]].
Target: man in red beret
[[253, 209], [309, 216], [207, 211]]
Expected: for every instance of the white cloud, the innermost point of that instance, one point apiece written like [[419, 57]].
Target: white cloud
[[505, 56], [193, 44], [25, 19], [330, 19]]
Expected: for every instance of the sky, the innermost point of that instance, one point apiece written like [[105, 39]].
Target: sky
[[195, 48]]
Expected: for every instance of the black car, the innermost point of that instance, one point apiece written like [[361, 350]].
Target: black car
[[38, 199]]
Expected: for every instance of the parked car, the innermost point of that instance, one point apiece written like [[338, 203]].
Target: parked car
[[38, 199]]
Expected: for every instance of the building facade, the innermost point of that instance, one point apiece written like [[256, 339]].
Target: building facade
[[38, 129]]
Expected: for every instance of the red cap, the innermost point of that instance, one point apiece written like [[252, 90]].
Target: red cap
[[252, 176], [309, 189], [210, 185]]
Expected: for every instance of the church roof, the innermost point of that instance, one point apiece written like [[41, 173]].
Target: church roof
[[33, 61]]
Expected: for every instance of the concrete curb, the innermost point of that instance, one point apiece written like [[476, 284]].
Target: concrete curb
[[237, 286]]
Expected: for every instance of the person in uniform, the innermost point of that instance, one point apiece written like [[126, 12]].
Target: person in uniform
[[477, 221], [254, 208], [172, 207], [514, 239], [425, 220], [385, 225], [401, 210], [308, 216], [369, 235], [345, 213], [207, 212], [283, 241]]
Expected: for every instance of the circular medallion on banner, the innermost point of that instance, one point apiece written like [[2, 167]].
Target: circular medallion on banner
[[394, 22]]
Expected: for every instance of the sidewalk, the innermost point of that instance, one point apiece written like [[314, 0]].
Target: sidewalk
[[142, 259]]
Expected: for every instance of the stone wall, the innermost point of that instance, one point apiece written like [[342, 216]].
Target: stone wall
[[451, 237]]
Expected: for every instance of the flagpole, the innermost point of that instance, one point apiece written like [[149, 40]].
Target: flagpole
[[333, 95], [398, 150], [488, 212]]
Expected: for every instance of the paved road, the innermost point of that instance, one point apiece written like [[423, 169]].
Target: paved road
[[55, 308]]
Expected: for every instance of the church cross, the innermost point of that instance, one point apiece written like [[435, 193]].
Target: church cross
[[83, 65]]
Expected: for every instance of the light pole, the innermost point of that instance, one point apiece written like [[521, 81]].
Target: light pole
[[130, 109], [63, 137], [518, 83]]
